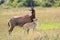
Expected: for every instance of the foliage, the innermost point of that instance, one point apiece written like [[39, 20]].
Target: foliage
[[37, 2], [1, 2], [47, 4], [29, 3], [32, 3], [56, 4], [14, 4]]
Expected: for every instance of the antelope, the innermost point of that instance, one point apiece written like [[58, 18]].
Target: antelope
[[30, 25], [21, 20]]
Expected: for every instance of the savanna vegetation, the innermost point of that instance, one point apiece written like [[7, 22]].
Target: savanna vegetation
[[48, 24], [47, 13], [29, 3]]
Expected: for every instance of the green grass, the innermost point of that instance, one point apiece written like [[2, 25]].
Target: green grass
[[48, 26]]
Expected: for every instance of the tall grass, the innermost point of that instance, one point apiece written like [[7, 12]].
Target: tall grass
[[47, 29]]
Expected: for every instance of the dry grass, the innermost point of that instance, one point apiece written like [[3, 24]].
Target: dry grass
[[48, 28]]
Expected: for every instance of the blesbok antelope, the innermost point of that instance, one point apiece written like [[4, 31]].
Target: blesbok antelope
[[20, 21], [30, 25]]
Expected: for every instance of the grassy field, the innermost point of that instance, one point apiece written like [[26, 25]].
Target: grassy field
[[48, 24]]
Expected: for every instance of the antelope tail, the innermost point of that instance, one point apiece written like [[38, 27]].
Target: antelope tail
[[9, 24]]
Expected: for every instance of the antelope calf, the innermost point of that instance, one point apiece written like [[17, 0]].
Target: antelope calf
[[30, 25]]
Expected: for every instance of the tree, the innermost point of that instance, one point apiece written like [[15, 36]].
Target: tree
[[1, 2]]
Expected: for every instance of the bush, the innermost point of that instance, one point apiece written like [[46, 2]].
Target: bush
[[46, 4], [20, 4], [57, 4], [14, 4], [37, 3], [32, 3], [29, 3], [2, 1]]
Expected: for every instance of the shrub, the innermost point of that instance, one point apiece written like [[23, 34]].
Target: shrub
[[47, 4], [37, 3], [32, 3], [20, 4], [2, 1], [14, 4], [57, 4]]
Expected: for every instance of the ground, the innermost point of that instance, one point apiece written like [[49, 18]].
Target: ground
[[48, 24]]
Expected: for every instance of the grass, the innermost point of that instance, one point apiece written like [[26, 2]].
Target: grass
[[48, 24]]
